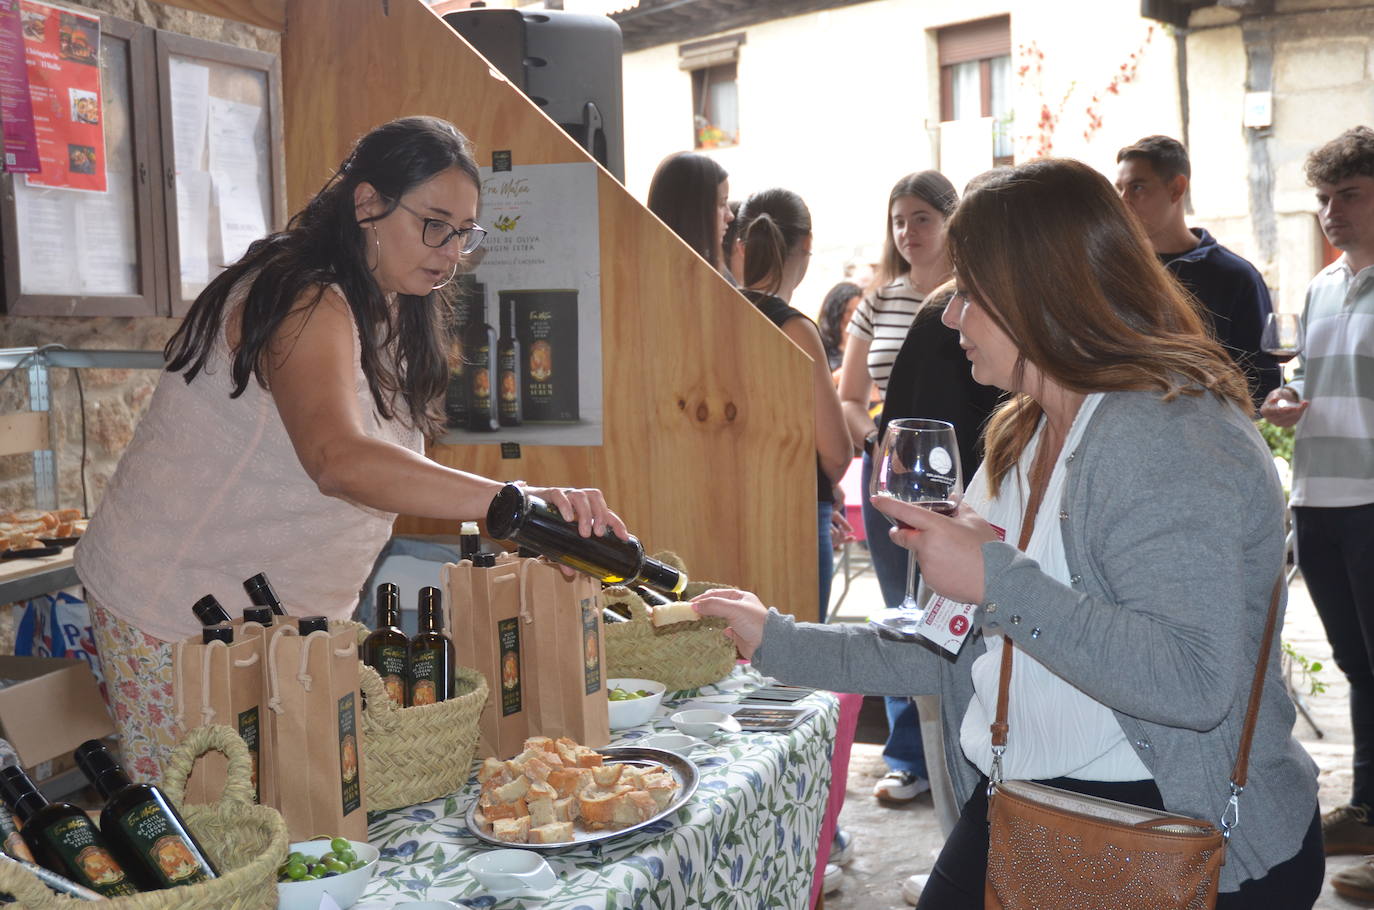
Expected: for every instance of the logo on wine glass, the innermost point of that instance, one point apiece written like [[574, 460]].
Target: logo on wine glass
[[940, 460], [958, 624]]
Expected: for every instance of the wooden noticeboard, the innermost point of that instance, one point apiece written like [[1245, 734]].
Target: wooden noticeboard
[[708, 445]]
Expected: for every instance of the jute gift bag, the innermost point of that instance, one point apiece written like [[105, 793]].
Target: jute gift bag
[[313, 710], [565, 654], [219, 683], [483, 612]]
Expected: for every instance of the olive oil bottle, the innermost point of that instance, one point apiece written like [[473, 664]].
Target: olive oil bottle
[[62, 838], [209, 611], [260, 615], [260, 592], [387, 650], [218, 632], [508, 363], [431, 654], [144, 831], [308, 624], [532, 523]]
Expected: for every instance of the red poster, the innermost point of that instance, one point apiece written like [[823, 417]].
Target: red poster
[[16, 109], [62, 49]]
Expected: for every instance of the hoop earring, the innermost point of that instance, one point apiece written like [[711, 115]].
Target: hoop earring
[[377, 243], [451, 275]]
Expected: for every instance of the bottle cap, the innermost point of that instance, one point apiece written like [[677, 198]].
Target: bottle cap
[[209, 611], [484, 560], [431, 604], [218, 632], [261, 593], [507, 511], [308, 624], [20, 793], [101, 768], [261, 615]]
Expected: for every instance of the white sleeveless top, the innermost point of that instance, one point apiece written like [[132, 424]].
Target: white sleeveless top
[[1055, 730], [210, 492]]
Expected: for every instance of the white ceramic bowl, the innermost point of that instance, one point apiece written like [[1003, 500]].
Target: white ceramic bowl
[[634, 711], [345, 888], [511, 872], [703, 722], [680, 743]]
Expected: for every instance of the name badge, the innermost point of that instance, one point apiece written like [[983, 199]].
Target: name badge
[[946, 623]]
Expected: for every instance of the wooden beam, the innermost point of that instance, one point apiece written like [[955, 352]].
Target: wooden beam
[[262, 13], [23, 431]]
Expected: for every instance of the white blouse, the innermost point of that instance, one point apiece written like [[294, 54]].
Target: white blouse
[[1055, 730]]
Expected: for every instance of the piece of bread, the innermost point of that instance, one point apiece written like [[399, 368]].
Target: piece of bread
[[589, 758], [541, 790], [512, 830], [569, 781], [506, 810], [493, 768], [668, 614], [541, 812], [633, 807], [512, 791], [607, 775], [596, 808], [552, 833], [565, 810]]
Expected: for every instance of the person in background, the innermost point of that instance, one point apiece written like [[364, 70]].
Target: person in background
[[690, 193], [838, 309], [913, 264], [732, 254], [775, 233], [1331, 402], [1153, 176], [287, 432], [1144, 536]]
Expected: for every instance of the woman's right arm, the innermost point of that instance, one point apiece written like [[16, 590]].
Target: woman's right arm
[[311, 375], [856, 384]]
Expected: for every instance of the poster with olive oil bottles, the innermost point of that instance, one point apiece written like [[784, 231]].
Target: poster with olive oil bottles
[[525, 341]]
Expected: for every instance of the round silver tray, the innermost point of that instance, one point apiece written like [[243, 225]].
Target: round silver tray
[[640, 756]]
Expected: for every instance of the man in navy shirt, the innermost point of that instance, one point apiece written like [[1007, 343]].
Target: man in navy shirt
[[1152, 178]]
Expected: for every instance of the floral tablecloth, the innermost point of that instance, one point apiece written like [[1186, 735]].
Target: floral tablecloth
[[746, 839]]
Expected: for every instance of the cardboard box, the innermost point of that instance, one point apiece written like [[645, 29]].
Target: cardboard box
[[53, 707]]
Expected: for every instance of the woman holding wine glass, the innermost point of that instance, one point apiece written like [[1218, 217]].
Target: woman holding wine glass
[[1124, 533]]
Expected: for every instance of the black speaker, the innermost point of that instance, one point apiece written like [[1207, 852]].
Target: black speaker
[[567, 63]]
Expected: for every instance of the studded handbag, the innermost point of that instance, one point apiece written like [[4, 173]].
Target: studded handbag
[[1053, 848]]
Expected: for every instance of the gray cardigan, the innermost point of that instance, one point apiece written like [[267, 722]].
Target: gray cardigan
[[1172, 520]]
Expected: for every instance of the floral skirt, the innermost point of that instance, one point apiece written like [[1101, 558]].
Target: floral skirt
[[138, 678]]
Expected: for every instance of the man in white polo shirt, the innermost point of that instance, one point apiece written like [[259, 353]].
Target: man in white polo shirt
[[1331, 401]]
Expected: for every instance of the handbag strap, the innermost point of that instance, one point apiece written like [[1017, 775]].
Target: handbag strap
[[1239, 771]]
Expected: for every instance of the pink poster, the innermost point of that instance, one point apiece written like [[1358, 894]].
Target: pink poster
[[62, 49], [16, 109]]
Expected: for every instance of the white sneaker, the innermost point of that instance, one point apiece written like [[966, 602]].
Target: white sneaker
[[842, 848], [912, 888], [900, 787], [833, 879]]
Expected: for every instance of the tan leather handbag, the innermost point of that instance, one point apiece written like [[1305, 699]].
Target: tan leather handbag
[[1053, 848]]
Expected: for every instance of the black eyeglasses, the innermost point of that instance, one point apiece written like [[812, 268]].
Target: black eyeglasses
[[438, 233]]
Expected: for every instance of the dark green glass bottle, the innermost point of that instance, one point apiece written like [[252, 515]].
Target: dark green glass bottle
[[260, 592], [144, 831], [62, 838], [387, 650], [431, 654]]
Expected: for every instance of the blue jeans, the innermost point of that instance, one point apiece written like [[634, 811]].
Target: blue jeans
[[904, 750], [826, 553]]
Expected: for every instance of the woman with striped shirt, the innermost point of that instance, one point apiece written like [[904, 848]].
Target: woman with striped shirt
[[913, 264]]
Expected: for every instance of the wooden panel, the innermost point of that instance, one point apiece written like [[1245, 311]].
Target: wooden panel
[[23, 431], [975, 40], [262, 13], [708, 438]]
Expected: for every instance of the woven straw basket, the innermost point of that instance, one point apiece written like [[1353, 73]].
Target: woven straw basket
[[681, 656], [245, 841], [413, 755]]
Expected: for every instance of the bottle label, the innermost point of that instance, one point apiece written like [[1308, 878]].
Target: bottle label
[[78, 843], [393, 666], [152, 832], [508, 641], [424, 678], [351, 788], [248, 731], [591, 644]]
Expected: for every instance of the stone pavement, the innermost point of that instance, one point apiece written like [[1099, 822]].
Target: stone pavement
[[892, 843]]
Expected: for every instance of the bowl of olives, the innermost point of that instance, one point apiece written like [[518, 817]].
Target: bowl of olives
[[633, 701], [336, 866]]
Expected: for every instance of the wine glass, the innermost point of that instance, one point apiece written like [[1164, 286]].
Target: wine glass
[[1283, 336], [917, 463]]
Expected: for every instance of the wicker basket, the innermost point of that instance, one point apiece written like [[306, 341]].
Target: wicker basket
[[681, 656], [246, 842], [413, 755]]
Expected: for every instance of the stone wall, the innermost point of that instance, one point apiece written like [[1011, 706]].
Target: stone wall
[[115, 399]]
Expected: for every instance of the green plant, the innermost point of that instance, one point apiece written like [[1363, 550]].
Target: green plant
[[1307, 668], [1280, 440]]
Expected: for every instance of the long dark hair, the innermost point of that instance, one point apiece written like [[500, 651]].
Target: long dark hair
[[1049, 251], [831, 318], [323, 245], [772, 223], [931, 187], [683, 195]]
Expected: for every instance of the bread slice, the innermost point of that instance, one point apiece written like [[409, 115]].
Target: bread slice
[[513, 790], [512, 830], [491, 769], [596, 808], [540, 790], [553, 833], [541, 813], [607, 775], [506, 810], [669, 614], [569, 781], [566, 810]]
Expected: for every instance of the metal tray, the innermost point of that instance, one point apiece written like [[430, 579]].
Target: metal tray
[[640, 756]]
